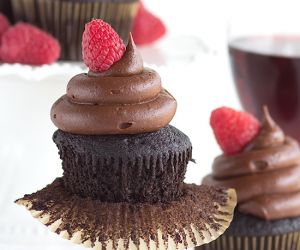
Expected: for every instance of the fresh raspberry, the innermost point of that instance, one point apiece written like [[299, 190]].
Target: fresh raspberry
[[233, 129], [4, 25], [101, 46], [147, 27], [26, 44]]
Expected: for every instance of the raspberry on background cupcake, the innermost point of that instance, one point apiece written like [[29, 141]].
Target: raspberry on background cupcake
[[124, 165], [263, 165], [65, 19]]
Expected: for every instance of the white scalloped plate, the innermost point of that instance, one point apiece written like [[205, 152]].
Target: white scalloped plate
[[40, 72]]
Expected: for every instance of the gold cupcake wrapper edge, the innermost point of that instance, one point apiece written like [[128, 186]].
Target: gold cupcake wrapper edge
[[224, 219]]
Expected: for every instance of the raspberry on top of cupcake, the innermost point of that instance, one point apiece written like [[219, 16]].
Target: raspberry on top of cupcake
[[124, 165], [259, 161]]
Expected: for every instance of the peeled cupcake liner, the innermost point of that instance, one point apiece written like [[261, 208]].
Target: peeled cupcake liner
[[65, 19], [288, 241], [154, 227]]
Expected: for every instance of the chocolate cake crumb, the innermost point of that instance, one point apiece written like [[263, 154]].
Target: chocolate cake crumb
[[147, 167]]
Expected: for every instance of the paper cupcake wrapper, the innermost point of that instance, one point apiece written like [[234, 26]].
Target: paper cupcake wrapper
[[197, 218], [65, 19], [289, 241], [5, 8]]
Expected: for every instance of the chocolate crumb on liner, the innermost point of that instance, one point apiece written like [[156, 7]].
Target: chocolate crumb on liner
[[199, 216], [65, 19]]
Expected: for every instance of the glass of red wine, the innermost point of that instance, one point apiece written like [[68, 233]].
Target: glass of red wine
[[264, 51]]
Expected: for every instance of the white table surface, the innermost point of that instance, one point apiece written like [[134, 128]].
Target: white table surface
[[29, 159]]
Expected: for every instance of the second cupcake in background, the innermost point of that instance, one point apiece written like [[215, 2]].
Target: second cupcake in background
[[263, 165], [65, 19]]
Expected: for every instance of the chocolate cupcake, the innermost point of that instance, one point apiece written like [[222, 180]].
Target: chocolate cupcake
[[124, 165], [65, 19], [266, 177]]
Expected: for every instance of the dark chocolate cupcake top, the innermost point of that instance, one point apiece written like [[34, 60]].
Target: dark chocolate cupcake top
[[265, 174], [125, 99]]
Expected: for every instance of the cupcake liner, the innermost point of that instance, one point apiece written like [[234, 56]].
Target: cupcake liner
[[5, 8], [199, 216], [65, 19], [289, 241]]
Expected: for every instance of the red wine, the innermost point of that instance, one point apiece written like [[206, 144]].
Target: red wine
[[266, 71]]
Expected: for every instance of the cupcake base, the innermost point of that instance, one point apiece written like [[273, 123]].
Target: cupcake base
[[198, 217], [148, 167], [249, 232], [289, 241]]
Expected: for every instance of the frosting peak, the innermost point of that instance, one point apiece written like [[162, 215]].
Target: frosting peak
[[265, 175], [270, 135], [130, 64], [125, 99]]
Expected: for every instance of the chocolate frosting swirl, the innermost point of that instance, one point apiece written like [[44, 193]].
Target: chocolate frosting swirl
[[126, 99], [266, 174]]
